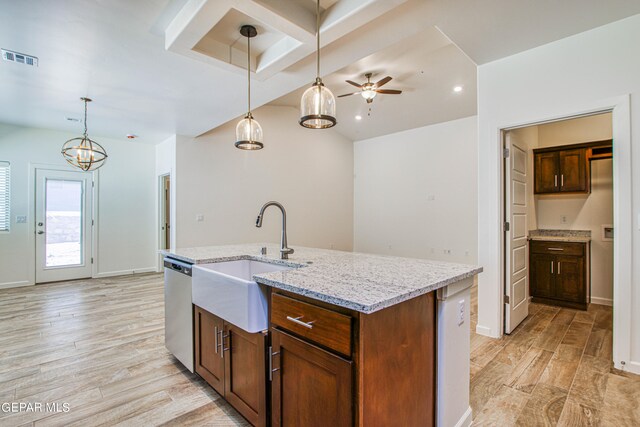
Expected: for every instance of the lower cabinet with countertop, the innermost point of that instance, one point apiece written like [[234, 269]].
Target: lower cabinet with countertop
[[349, 339], [559, 272], [332, 366]]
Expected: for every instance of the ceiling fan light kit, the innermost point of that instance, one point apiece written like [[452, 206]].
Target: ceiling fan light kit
[[83, 152], [318, 105], [248, 130], [369, 90]]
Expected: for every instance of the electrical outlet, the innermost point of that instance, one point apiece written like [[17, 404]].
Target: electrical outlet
[[431, 197], [460, 312], [199, 217], [563, 219], [447, 251]]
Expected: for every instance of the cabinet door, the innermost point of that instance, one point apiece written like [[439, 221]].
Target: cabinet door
[[573, 170], [546, 173], [570, 279], [543, 269], [209, 353], [311, 387], [245, 373]]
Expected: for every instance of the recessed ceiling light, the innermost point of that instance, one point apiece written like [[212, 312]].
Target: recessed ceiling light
[[131, 136], [457, 89], [358, 117]]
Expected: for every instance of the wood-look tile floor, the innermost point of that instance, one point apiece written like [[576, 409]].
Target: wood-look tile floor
[[555, 369], [98, 345]]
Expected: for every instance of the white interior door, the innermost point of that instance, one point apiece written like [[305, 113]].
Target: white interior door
[[516, 249], [63, 225]]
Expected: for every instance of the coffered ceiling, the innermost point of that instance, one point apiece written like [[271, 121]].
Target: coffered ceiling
[[161, 67]]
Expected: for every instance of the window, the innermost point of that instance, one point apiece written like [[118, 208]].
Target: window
[[5, 197]]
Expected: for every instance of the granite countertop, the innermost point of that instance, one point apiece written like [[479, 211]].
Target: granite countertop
[[578, 236], [362, 282]]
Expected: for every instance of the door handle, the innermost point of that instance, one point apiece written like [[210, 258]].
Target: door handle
[[551, 267], [558, 267], [562, 180], [40, 232], [555, 180]]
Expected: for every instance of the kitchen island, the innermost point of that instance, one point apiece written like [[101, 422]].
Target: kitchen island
[[375, 340]]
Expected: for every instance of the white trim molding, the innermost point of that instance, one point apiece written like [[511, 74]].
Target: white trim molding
[[19, 284], [126, 272], [490, 216]]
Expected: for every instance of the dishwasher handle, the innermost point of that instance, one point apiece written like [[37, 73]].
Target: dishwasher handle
[[178, 266]]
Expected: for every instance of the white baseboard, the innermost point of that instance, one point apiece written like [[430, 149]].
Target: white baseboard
[[602, 301], [19, 284], [487, 332], [126, 272], [465, 420], [633, 367]]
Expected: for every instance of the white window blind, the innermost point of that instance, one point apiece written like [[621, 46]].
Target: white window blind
[[5, 196]]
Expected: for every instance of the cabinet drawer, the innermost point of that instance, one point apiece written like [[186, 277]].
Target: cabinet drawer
[[557, 248], [325, 327]]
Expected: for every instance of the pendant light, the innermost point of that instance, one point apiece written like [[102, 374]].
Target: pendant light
[[82, 152], [318, 105], [248, 130]]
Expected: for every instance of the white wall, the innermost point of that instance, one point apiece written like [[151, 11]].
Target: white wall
[[126, 209], [584, 212], [415, 192], [309, 171], [591, 70]]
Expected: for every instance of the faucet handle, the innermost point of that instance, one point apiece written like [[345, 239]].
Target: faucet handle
[[263, 250]]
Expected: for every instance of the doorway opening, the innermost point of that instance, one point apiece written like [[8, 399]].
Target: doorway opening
[[63, 216], [559, 218], [165, 211]]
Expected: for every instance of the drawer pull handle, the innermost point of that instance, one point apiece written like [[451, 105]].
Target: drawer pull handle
[[555, 249], [297, 320], [558, 267], [215, 328]]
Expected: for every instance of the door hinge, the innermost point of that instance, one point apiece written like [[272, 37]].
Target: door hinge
[[91, 260], [505, 152], [506, 299], [506, 226], [92, 222], [93, 184]]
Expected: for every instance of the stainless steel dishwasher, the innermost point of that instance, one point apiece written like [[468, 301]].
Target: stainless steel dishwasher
[[178, 312]]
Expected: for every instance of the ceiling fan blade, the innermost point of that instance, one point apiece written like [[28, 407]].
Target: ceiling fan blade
[[353, 83], [384, 81], [348, 94], [389, 91]]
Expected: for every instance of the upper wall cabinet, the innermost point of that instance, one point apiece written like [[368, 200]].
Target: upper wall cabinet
[[566, 169]]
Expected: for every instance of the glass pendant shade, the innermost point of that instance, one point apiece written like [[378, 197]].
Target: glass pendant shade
[[318, 107], [249, 134]]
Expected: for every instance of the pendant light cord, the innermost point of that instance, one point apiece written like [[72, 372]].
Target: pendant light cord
[[85, 117], [249, 73], [318, 39]]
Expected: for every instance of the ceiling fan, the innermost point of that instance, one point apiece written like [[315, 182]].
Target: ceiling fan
[[369, 90]]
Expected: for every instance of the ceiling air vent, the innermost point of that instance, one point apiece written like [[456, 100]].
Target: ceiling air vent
[[20, 58]]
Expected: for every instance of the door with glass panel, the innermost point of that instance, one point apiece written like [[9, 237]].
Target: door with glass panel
[[63, 225]]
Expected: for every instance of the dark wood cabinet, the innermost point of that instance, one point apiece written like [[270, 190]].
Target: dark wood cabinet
[[558, 273], [561, 171], [310, 387], [209, 361], [566, 169], [233, 362], [332, 366], [573, 171]]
